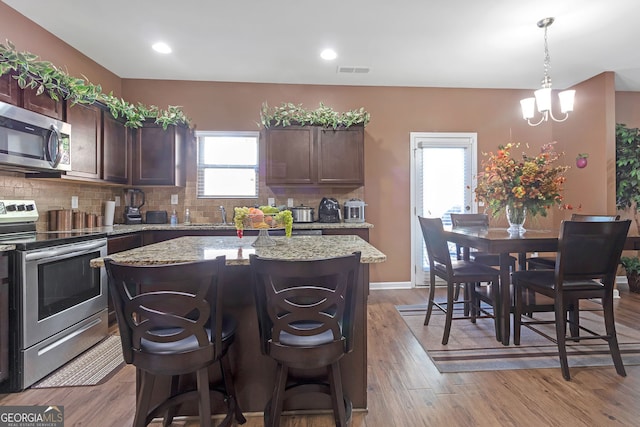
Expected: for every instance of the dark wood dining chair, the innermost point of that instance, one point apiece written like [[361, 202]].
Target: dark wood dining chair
[[481, 221], [306, 315], [588, 258], [549, 262], [456, 272], [171, 323], [478, 220]]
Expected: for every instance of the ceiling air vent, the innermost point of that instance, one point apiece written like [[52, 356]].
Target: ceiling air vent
[[353, 69]]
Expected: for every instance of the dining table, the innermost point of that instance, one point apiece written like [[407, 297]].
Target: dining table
[[501, 241]]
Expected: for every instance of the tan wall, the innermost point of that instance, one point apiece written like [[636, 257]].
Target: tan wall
[[27, 36], [591, 130], [395, 111], [628, 108]]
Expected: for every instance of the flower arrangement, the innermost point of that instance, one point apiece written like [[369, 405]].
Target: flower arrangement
[[533, 183]]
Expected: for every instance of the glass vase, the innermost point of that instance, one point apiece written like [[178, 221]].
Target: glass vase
[[516, 216]]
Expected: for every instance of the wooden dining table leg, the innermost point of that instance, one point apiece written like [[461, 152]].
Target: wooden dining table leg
[[505, 303]]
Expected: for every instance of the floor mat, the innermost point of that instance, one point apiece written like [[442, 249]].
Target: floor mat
[[473, 347], [92, 367]]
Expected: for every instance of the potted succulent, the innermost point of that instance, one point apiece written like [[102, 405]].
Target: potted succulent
[[632, 268]]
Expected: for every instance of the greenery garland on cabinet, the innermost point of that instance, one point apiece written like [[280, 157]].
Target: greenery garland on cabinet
[[289, 114], [43, 76]]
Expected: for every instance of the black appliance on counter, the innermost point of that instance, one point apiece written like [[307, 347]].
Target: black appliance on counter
[[329, 210], [57, 302], [134, 199]]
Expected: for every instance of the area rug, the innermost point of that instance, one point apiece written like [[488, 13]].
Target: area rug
[[92, 367], [473, 347]]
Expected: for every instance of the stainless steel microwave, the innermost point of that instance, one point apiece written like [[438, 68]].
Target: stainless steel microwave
[[32, 142]]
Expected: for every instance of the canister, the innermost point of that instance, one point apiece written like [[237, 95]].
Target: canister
[[78, 220], [91, 220], [65, 219], [52, 218]]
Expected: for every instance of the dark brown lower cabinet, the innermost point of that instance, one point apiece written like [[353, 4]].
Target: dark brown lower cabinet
[[4, 316], [118, 244]]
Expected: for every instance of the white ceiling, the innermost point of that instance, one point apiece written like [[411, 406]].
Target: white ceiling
[[430, 43]]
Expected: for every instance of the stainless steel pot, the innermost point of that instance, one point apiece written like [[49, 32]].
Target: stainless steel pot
[[302, 214]]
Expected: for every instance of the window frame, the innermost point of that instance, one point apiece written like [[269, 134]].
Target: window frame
[[200, 166]]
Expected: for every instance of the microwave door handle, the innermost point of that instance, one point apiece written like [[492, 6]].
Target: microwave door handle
[[53, 147]]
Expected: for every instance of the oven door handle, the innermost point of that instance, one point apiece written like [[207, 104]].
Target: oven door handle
[[71, 250]]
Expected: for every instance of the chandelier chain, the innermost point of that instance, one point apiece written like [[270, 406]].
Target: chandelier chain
[[546, 82]]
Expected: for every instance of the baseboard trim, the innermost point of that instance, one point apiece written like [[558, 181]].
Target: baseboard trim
[[389, 285], [407, 285]]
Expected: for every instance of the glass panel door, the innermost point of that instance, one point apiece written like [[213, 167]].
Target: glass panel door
[[443, 173]]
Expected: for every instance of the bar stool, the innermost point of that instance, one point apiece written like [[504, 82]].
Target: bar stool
[[171, 324], [305, 316]]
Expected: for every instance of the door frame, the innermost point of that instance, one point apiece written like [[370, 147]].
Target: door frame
[[416, 233]]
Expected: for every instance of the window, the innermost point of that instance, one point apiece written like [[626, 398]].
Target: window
[[227, 164]]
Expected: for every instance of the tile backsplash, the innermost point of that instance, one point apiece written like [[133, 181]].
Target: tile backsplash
[[52, 194]]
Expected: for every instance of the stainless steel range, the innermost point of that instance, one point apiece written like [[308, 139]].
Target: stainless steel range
[[58, 303]]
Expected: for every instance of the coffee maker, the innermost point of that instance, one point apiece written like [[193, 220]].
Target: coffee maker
[[133, 199]]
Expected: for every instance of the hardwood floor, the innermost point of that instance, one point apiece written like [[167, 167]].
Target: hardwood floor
[[405, 388]]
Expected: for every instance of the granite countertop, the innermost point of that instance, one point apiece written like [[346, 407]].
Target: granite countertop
[[132, 228], [7, 248], [237, 251]]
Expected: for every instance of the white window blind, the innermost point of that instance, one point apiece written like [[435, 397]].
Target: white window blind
[[227, 164]]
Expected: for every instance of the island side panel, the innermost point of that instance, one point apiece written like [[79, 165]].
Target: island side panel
[[254, 373]]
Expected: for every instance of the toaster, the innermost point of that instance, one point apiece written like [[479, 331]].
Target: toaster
[[156, 217]]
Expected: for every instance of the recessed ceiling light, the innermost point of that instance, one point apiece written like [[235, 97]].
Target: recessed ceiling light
[[328, 54], [161, 47]]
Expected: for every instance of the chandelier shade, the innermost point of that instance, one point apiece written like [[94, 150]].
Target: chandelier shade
[[543, 97]]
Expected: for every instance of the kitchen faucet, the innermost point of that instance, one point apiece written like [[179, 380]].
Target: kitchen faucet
[[223, 213]]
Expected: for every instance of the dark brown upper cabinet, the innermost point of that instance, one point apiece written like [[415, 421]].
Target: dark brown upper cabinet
[[42, 104], [116, 151], [99, 145], [341, 156], [9, 90], [314, 156], [290, 155], [158, 155], [11, 93], [86, 140]]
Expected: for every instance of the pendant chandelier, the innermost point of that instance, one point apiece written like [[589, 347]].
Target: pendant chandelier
[[542, 97]]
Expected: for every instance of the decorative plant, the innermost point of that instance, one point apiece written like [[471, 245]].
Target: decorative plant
[[632, 269], [289, 114], [43, 76], [628, 170], [533, 182]]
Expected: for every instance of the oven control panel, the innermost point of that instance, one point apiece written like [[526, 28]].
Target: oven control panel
[[18, 211]]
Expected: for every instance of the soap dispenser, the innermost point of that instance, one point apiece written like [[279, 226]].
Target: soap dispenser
[[174, 218]]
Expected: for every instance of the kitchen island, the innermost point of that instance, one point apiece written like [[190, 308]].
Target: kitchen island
[[254, 373]]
